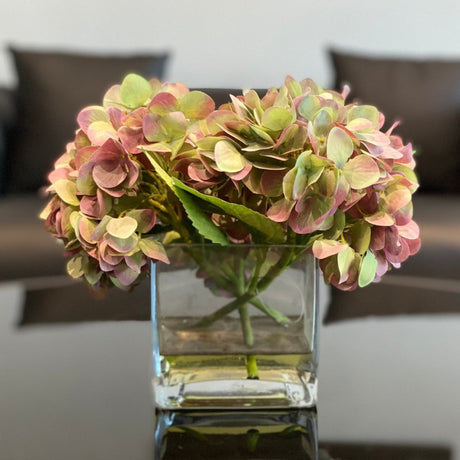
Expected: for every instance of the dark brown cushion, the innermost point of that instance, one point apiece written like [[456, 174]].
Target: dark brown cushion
[[52, 89], [425, 96]]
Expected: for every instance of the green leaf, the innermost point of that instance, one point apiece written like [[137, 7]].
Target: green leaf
[[367, 270], [199, 219], [271, 231], [135, 90], [159, 170]]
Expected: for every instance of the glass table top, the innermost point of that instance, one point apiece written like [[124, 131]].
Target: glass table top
[[75, 383]]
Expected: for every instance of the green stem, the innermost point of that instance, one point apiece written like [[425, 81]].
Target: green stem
[[225, 310], [251, 367], [276, 315], [245, 318], [252, 294]]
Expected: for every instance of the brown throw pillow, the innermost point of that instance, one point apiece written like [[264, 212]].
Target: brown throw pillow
[[425, 96], [52, 88]]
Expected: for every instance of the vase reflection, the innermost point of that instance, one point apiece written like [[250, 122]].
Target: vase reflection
[[264, 434]]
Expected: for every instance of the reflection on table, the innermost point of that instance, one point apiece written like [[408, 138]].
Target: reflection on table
[[274, 434], [75, 383]]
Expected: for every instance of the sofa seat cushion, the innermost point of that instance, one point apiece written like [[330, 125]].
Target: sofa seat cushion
[[439, 219], [27, 249], [53, 88]]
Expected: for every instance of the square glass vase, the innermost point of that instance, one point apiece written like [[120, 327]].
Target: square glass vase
[[235, 327]]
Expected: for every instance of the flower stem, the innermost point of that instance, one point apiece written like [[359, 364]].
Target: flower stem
[[269, 311], [246, 326], [251, 367], [224, 311]]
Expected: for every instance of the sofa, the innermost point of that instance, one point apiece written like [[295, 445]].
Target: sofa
[[36, 119]]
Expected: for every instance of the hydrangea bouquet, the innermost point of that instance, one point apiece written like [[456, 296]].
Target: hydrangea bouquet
[[157, 164]]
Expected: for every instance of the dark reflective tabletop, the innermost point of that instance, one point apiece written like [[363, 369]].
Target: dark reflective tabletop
[[75, 383]]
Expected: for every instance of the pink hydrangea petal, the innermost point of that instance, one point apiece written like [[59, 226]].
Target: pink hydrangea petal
[[281, 210], [108, 174], [377, 238], [163, 103], [125, 275], [326, 248]]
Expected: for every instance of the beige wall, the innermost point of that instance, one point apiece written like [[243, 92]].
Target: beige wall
[[234, 43]]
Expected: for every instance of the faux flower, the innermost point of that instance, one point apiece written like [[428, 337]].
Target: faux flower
[[158, 163]]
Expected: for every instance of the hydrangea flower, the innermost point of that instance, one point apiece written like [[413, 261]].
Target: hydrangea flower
[[157, 163]]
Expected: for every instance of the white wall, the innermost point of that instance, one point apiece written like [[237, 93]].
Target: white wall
[[242, 43]]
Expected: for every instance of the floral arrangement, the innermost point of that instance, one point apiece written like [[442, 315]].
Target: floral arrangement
[[157, 164]]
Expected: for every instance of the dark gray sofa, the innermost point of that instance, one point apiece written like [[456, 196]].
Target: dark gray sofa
[[425, 95]]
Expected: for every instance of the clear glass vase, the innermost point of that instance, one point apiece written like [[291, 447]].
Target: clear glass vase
[[234, 327]]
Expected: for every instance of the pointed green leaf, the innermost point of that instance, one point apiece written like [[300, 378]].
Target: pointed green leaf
[[201, 221], [367, 270], [159, 170], [271, 231]]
